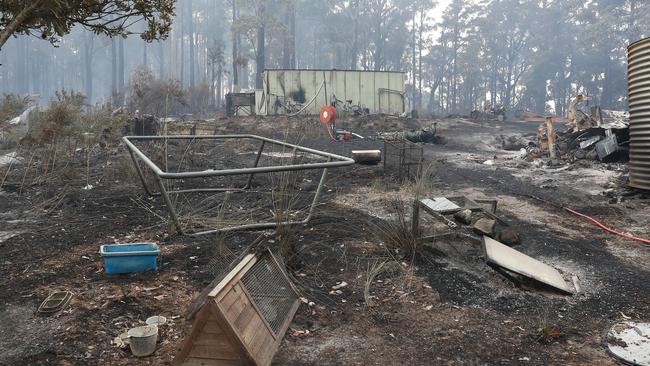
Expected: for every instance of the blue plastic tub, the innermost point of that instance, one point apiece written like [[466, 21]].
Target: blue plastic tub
[[128, 258]]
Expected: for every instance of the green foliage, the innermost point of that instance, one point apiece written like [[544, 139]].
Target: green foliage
[[50, 19]]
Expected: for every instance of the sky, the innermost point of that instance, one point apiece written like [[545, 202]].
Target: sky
[[436, 13]]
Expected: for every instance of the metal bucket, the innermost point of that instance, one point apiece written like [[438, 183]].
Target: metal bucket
[[638, 75], [142, 340]]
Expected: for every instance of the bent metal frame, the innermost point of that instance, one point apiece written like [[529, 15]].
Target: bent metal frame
[[333, 161]]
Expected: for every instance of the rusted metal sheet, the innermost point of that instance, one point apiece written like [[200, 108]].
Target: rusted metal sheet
[[638, 74]]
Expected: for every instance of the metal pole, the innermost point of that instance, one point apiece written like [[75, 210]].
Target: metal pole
[[170, 206], [141, 174], [317, 195], [257, 160]]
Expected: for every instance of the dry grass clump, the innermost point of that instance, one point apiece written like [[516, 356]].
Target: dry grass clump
[[62, 141], [396, 233]]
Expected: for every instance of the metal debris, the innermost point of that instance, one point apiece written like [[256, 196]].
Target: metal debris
[[55, 302], [441, 205], [512, 260], [629, 342]]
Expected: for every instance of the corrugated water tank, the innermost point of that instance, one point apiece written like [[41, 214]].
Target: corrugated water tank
[[638, 74]]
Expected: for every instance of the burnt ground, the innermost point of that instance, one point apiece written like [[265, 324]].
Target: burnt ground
[[446, 306]]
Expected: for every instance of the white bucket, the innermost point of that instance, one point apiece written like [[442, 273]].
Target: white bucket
[[143, 340]]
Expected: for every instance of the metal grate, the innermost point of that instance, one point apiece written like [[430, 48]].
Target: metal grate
[[271, 291], [403, 158]]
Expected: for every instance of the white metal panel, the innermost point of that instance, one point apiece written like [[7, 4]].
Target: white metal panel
[[382, 83], [315, 80], [339, 85], [397, 105], [367, 90], [302, 82], [326, 94], [353, 87], [362, 87], [260, 104], [515, 261], [296, 85]]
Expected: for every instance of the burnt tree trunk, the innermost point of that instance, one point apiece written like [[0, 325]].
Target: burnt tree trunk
[[260, 47]]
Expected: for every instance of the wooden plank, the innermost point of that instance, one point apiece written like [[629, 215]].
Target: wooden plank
[[197, 361], [232, 274], [262, 344], [255, 326], [201, 318], [234, 280], [217, 350], [245, 318], [212, 327], [228, 328], [266, 354], [229, 299], [237, 307], [212, 338]]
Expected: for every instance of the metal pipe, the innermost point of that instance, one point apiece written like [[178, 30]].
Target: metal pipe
[[321, 183], [236, 136], [206, 190], [160, 175], [257, 160], [170, 206], [341, 160], [141, 175]]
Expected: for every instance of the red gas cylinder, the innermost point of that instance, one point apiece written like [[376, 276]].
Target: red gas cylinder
[[327, 115]]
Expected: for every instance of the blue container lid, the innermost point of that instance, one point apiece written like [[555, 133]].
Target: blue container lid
[[129, 249]]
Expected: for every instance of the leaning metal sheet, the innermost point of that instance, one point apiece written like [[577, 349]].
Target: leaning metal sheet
[[515, 261]]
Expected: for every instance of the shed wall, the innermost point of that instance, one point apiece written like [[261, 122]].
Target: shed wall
[[379, 91]]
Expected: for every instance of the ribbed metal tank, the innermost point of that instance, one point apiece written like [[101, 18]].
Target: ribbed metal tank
[[638, 75]]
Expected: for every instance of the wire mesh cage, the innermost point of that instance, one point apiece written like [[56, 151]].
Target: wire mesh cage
[[242, 319], [271, 291], [402, 158]]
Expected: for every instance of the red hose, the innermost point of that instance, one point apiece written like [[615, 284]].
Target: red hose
[[600, 225]]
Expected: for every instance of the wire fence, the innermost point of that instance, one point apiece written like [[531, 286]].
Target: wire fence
[[403, 159]]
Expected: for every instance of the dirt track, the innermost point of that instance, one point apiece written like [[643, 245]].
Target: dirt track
[[445, 308]]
